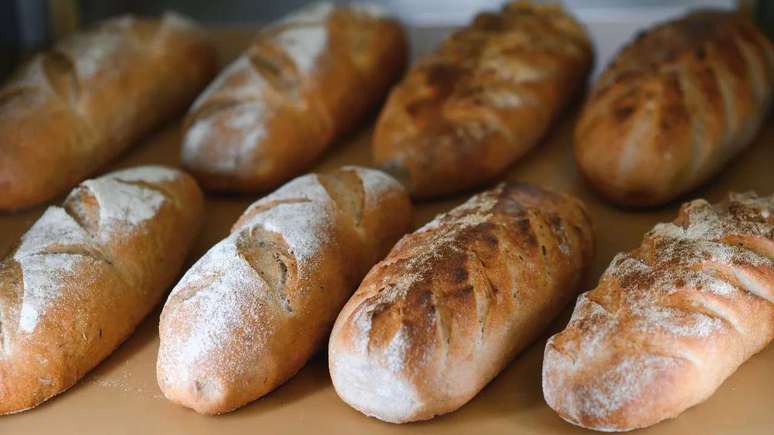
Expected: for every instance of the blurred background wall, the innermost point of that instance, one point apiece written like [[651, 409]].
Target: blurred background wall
[[27, 25], [418, 12]]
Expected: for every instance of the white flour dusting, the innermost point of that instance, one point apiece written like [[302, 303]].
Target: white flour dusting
[[654, 318], [304, 226], [239, 129], [237, 82], [237, 132], [685, 257], [148, 174], [195, 141], [97, 52], [505, 99], [225, 284], [44, 271], [624, 382], [375, 183], [55, 226], [303, 35], [177, 21], [372, 388], [314, 13], [43, 276], [225, 293], [124, 379], [122, 205], [304, 44], [373, 10], [513, 71], [395, 353]]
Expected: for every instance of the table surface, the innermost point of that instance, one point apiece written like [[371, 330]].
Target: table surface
[[121, 396]]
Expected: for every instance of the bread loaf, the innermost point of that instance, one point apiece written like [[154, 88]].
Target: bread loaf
[[250, 313], [669, 321], [484, 98], [86, 273], [305, 80], [674, 107], [70, 110], [455, 301]]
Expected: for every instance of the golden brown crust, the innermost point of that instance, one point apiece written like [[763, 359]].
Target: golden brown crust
[[86, 273], [487, 95], [455, 301], [304, 81], [250, 313], [70, 110], [674, 106], [669, 321]]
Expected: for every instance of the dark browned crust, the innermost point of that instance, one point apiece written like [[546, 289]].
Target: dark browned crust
[[484, 98], [674, 106], [465, 294]]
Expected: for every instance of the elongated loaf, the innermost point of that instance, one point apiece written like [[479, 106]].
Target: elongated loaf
[[669, 321], [466, 112], [70, 110], [86, 273], [305, 80], [454, 302], [674, 107], [254, 309]]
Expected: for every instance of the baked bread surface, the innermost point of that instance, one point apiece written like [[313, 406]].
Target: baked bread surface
[[485, 97], [669, 321], [251, 312], [85, 274], [455, 301], [305, 80], [70, 110], [674, 106]]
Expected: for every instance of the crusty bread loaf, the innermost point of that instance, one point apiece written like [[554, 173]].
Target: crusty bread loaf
[[464, 113], [674, 107], [253, 310], [455, 301], [305, 80], [86, 273], [70, 110], [669, 321]]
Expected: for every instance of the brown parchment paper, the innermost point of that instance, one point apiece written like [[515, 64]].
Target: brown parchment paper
[[121, 396]]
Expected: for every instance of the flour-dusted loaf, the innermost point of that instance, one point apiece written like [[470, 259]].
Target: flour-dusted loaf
[[70, 110], [86, 273], [305, 80], [674, 107], [455, 301], [669, 321], [484, 98], [250, 313]]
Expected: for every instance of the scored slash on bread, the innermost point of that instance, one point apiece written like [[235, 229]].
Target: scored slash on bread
[[669, 321], [456, 300], [86, 273], [674, 106], [251, 312], [305, 80], [484, 98]]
